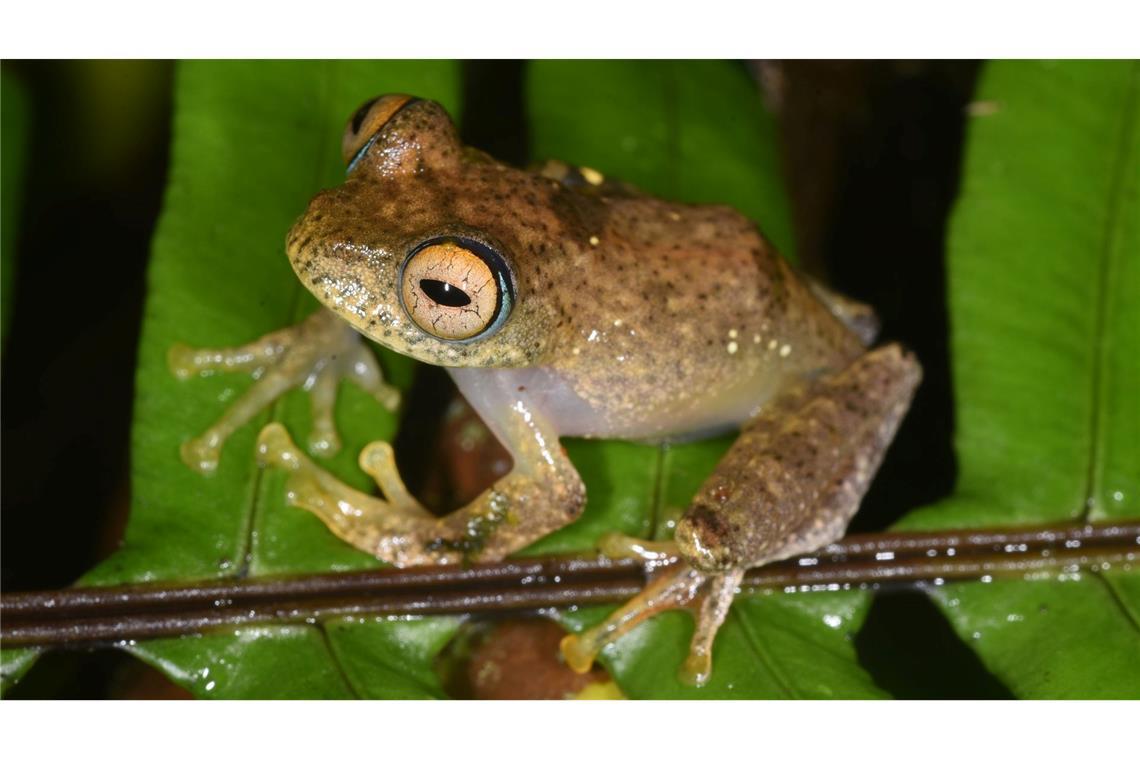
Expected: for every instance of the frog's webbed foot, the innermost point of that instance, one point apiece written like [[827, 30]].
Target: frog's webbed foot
[[314, 354], [708, 596]]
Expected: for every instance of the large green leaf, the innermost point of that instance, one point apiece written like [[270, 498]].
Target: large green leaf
[[253, 141], [691, 131], [1044, 277]]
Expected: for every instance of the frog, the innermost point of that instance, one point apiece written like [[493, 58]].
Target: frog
[[564, 303]]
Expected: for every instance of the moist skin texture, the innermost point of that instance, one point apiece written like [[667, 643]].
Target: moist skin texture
[[564, 303]]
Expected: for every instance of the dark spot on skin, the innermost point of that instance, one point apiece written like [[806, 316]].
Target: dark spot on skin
[[721, 493], [522, 388]]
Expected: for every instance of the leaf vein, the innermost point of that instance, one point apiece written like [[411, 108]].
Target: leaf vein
[[1109, 254], [758, 647]]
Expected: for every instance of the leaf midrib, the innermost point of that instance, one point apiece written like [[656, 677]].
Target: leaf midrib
[[1109, 255], [258, 490], [1094, 473], [756, 644]]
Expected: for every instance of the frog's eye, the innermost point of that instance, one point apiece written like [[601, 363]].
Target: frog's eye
[[456, 288], [365, 125]]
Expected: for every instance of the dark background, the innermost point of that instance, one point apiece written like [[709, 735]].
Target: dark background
[[871, 154]]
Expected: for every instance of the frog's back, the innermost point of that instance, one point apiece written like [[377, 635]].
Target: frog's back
[[675, 319]]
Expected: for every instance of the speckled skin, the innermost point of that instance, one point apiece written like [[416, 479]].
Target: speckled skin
[[632, 317], [642, 307]]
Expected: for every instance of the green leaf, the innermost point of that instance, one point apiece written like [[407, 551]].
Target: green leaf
[[691, 131], [1044, 272], [14, 663], [253, 142]]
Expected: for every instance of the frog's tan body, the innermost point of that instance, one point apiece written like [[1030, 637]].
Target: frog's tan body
[[629, 317]]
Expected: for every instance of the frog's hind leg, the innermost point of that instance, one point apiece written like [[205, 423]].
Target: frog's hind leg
[[788, 485], [314, 355], [796, 475]]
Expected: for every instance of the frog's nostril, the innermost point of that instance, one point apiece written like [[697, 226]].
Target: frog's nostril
[[444, 293]]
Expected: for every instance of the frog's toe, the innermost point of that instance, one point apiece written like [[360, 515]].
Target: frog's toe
[[180, 361], [379, 460], [621, 546], [276, 449], [388, 396], [715, 600], [201, 454], [364, 370], [323, 440]]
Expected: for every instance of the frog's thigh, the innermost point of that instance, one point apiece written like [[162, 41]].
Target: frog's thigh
[[795, 476]]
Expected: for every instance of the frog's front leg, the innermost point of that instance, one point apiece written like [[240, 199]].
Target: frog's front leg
[[789, 484], [542, 492], [314, 354]]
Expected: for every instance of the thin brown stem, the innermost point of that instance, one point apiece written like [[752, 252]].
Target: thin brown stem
[[83, 616]]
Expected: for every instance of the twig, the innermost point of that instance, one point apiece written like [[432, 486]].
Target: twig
[[132, 612]]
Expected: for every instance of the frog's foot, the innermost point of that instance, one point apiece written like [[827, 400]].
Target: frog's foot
[[314, 355], [707, 595], [396, 528]]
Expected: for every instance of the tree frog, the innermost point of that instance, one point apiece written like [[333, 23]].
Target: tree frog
[[564, 303]]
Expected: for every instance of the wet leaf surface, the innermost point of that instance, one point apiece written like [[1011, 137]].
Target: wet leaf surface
[[1044, 270]]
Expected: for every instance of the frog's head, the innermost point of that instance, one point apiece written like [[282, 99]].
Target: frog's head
[[406, 251]]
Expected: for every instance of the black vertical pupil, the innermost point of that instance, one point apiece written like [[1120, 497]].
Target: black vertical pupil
[[444, 293]]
